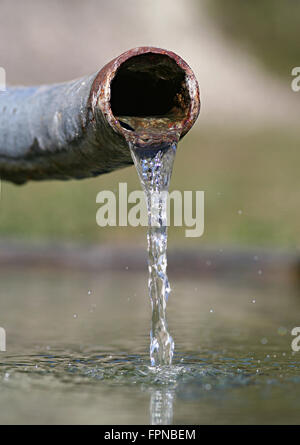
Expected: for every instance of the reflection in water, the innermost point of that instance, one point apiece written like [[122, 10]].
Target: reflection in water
[[162, 396], [161, 406], [55, 371]]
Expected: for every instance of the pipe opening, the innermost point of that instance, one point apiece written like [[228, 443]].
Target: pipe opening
[[149, 85]]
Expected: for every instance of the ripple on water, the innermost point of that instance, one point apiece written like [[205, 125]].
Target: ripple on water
[[207, 373]]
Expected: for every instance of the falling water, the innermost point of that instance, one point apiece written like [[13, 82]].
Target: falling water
[[154, 167]]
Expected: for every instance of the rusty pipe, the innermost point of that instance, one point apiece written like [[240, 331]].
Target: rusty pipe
[[82, 128]]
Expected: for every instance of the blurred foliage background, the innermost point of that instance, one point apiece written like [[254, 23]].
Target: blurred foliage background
[[250, 186], [266, 28], [244, 150]]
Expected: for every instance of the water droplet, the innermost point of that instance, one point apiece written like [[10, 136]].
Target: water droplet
[[89, 292], [75, 315], [253, 301]]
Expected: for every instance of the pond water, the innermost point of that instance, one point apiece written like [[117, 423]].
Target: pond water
[[78, 351]]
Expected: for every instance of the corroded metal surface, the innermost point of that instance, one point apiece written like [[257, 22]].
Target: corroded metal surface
[[69, 130]]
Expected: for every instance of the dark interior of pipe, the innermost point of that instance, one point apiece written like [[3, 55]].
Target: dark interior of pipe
[[149, 85]]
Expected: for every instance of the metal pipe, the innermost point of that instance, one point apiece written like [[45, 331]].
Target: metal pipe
[[82, 128]]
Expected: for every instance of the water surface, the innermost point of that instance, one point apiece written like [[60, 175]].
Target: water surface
[[77, 351]]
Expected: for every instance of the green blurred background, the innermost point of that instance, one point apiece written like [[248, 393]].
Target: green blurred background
[[266, 28], [244, 150]]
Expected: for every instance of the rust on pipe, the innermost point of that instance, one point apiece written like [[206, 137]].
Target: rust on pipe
[[82, 128]]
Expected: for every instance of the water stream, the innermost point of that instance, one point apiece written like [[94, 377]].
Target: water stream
[[154, 167]]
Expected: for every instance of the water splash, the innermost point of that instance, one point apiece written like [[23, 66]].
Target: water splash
[[154, 167]]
